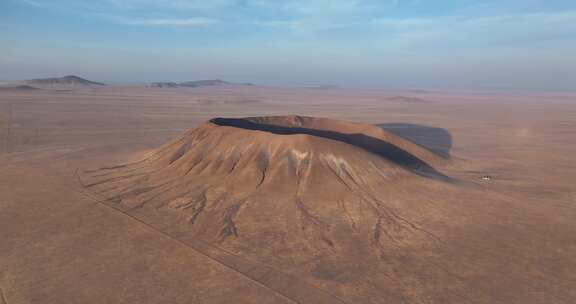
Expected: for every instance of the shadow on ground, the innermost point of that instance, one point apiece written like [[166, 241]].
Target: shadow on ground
[[435, 139]]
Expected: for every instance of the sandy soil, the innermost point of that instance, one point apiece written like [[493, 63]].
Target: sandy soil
[[509, 239]]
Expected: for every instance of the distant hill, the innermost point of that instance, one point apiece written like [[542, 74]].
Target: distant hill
[[67, 81], [164, 85], [204, 83], [406, 99], [325, 87], [18, 88], [194, 84]]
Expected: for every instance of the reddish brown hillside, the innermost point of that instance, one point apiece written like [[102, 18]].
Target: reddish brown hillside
[[278, 188]]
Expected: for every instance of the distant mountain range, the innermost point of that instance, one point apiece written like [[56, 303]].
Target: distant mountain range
[[72, 81], [194, 84], [68, 81]]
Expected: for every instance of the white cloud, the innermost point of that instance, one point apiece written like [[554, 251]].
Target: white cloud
[[313, 16], [180, 22], [499, 29], [181, 4], [403, 23], [33, 3], [323, 7], [105, 6]]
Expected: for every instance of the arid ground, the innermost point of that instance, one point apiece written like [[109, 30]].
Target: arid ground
[[235, 213]]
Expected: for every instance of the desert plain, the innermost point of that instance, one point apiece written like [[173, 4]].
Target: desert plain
[[130, 194]]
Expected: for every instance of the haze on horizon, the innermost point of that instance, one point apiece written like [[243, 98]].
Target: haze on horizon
[[521, 44]]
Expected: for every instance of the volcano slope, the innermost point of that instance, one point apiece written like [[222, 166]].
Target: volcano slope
[[324, 211]]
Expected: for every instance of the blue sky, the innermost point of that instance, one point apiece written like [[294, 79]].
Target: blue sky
[[391, 43]]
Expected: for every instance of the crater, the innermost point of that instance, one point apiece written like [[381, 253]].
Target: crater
[[368, 138]]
